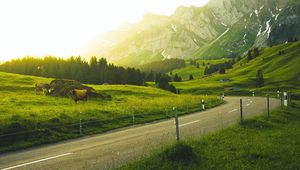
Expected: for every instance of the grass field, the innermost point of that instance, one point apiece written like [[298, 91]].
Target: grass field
[[28, 119], [281, 72], [262, 143], [197, 73]]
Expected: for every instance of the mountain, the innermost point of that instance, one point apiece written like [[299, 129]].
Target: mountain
[[220, 28]]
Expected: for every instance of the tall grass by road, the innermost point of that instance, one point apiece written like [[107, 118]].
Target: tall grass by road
[[262, 143]]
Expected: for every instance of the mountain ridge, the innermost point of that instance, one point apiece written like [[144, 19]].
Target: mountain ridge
[[218, 29]]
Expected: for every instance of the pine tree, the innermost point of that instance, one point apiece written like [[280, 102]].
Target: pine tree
[[191, 77], [150, 76], [176, 78], [222, 70], [206, 71], [259, 79], [172, 89], [249, 56], [256, 52]]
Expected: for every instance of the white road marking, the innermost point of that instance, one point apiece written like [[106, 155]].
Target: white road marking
[[189, 123], [37, 161], [232, 110]]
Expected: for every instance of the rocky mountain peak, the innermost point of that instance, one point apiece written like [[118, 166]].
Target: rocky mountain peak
[[221, 28]]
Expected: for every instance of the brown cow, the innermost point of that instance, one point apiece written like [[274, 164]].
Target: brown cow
[[79, 95]]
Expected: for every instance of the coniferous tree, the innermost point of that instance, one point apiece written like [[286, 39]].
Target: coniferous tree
[[222, 70], [150, 76], [157, 77], [249, 56], [163, 82], [206, 71], [172, 88], [256, 52], [191, 77], [177, 78], [259, 79]]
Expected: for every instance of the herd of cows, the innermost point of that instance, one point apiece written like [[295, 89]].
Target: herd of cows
[[69, 88]]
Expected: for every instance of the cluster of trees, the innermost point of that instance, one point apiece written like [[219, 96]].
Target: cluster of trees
[[194, 63], [177, 78], [221, 67], [163, 66], [292, 39], [281, 52], [162, 81], [252, 53], [96, 71]]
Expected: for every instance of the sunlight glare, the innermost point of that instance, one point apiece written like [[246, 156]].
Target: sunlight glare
[[62, 27]]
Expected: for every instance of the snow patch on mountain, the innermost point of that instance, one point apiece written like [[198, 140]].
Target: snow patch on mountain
[[271, 13], [268, 28], [256, 12], [276, 17], [259, 31], [224, 24], [214, 15], [174, 28], [261, 8], [244, 38], [166, 56], [278, 9]]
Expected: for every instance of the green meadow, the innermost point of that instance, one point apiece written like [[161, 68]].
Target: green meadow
[[280, 72], [197, 73], [29, 119]]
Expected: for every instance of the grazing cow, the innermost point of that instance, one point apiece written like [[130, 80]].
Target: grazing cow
[[42, 87], [79, 95]]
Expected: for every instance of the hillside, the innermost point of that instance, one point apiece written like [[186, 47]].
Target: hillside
[[280, 72], [197, 73], [28, 119], [221, 28]]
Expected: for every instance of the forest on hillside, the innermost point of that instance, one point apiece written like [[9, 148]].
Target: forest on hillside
[[96, 71], [163, 66]]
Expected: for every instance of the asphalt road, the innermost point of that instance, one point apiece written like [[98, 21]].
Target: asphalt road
[[114, 149]]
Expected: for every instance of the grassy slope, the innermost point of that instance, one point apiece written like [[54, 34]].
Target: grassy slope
[[280, 72], [263, 143], [41, 119], [197, 73]]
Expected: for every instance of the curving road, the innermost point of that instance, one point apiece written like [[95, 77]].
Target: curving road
[[113, 149]]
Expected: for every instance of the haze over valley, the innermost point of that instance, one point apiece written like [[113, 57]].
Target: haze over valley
[[143, 85]]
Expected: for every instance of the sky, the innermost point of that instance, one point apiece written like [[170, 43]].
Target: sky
[[63, 27]]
